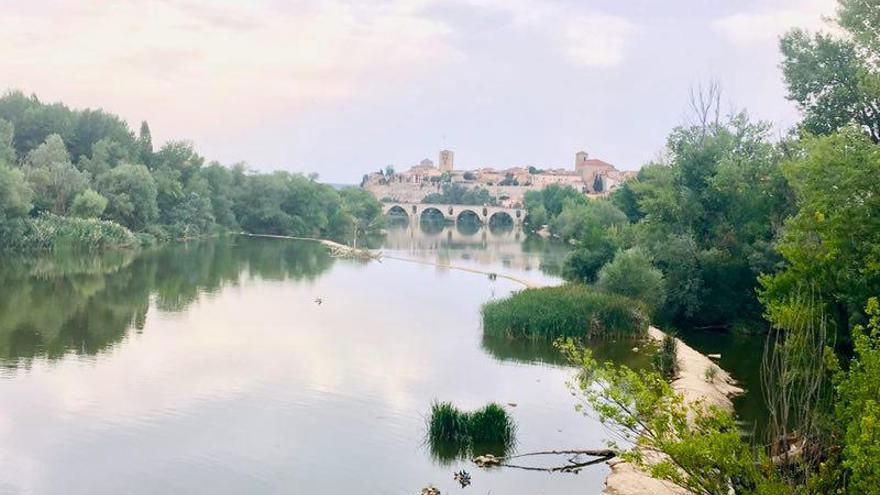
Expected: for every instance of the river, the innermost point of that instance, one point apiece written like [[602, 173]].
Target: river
[[242, 365]]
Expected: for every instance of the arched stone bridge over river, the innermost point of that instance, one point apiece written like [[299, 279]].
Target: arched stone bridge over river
[[452, 213]]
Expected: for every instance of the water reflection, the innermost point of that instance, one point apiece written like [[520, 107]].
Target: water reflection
[[63, 303], [507, 248]]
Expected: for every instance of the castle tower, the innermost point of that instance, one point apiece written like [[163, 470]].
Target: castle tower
[[445, 164], [580, 159]]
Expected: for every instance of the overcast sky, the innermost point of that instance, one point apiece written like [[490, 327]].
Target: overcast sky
[[344, 87]]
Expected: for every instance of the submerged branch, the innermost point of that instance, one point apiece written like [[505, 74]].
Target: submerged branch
[[573, 464]]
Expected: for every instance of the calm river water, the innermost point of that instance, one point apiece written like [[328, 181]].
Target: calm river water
[[266, 366]]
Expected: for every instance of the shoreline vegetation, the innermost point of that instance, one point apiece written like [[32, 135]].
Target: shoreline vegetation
[[82, 179]]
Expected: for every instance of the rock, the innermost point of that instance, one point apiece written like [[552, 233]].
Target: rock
[[430, 490], [635, 349], [511, 404]]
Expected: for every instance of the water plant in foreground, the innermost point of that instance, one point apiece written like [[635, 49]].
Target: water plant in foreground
[[454, 434], [570, 310]]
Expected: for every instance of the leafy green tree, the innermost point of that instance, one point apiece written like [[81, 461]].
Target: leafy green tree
[[858, 405], [54, 180], [701, 447], [88, 204], [144, 145], [91, 126], [831, 243], [34, 121], [15, 194], [835, 80], [7, 149], [105, 155], [131, 196], [631, 274]]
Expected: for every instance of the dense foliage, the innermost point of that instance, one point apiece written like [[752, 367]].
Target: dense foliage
[[570, 310], [88, 164]]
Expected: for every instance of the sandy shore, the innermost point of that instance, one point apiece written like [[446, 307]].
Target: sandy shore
[[624, 478]]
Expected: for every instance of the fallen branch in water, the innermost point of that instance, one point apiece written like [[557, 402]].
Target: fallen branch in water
[[573, 465]]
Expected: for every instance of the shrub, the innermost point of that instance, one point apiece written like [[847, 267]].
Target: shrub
[[631, 274], [88, 204], [570, 310]]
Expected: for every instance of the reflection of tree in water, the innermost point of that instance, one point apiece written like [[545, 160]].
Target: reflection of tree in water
[[543, 351], [62, 303]]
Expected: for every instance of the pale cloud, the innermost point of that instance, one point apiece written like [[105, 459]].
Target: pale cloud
[[585, 38], [769, 22], [597, 40], [202, 59]]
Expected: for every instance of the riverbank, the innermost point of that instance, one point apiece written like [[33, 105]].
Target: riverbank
[[694, 384]]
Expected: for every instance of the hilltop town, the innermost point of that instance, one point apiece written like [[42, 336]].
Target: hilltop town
[[591, 176]]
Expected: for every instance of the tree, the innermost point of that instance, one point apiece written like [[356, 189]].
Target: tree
[[54, 180], [7, 149], [131, 196], [857, 407], [631, 274], [106, 154], [91, 126], [144, 145], [88, 204], [15, 194], [389, 170], [831, 241], [835, 80], [700, 446]]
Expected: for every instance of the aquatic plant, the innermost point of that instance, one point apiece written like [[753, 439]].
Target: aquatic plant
[[665, 359], [490, 425], [447, 423], [454, 434], [570, 310]]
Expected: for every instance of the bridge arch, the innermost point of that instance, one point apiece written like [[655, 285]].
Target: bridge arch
[[397, 211], [431, 213], [468, 215], [501, 219]]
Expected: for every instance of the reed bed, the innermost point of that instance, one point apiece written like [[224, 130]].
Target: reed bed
[[570, 310]]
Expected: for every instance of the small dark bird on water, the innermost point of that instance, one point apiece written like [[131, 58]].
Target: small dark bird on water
[[319, 300], [463, 478]]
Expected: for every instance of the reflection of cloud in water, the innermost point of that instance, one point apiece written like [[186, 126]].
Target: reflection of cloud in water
[[239, 382]]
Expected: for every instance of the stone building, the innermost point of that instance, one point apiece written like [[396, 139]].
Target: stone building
[[446, 157]]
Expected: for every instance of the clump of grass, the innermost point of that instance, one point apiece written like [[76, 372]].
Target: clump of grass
[[665, 360], [711, 373], [454, 434], [490, 425], [570, 310], [448, 424]]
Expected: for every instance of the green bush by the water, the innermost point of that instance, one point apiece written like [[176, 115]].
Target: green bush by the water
[[570, 310], [455, 434], [56, 232]]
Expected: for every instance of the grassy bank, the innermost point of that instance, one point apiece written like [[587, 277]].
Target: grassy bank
[[570, 310]]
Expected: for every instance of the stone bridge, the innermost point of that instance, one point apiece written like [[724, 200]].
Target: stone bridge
[[452, 213]]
